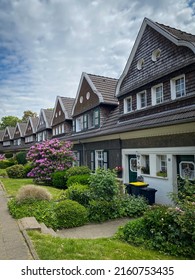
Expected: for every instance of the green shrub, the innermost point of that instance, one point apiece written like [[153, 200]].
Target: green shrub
[[80, 179], [42, 210], [16, 171], [132, 206], [79, 193], [27, 168], [6, 163], [9, 155], [170, 230], [103, 210], [59, 179], [21, 158], [104, 184], [70, 214], [77, 170], [134, 232], [3, 173], [33, 192]]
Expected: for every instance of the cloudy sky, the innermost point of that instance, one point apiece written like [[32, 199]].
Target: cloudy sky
[[45, 45]]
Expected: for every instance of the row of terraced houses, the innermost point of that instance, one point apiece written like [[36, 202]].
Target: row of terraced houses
[[144, 122]]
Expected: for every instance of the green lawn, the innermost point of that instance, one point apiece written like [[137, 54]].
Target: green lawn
[[56, 248], [13, 185]]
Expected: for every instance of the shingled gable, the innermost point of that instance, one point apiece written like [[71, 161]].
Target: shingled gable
[[9, 133], [177, 37], [20, 130], [64, 106], [31, 126], [45, 118], [94, 90]]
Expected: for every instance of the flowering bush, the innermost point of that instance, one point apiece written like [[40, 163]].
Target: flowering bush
[[2, 156], [118, 168], [48, 157]]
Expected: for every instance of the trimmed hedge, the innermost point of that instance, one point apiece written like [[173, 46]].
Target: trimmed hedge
[[78, 170], [79, 193], [16, 171], [70, 214], [59, 179], [80, 179]]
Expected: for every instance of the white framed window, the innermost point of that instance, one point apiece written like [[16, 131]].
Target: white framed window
[[6, 143], [178, 87], [96, 117], [145, 164], [29, 139], [187, 170], [63, 130], [99, 159], [161, 166], [85, 121], [157, 94], [141, 100], [78, 159], [60, 129], [53, 131], [79, 124], [127, 105]]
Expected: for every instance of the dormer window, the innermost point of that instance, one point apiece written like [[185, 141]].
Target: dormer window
[[157, 94], [127, 105], [178, 87], [141, 100]]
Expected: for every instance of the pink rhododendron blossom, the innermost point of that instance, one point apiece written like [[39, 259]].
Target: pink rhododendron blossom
[[48, 157]]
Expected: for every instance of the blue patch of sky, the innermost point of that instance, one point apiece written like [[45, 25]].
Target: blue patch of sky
[[191, 3]]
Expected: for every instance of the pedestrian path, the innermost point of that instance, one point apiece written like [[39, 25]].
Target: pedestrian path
[[12, 242]]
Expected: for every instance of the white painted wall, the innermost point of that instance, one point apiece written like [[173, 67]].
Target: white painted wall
[[164, 186]]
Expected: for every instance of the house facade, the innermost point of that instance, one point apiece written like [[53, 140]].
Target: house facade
[[156, 94], [93, 105], [61, 122], [43, 129], [142, 123]]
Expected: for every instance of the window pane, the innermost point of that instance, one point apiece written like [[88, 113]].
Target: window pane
[[179, 87], [159, 94]]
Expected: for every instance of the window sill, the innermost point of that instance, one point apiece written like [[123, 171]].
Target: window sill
[[155, 177]]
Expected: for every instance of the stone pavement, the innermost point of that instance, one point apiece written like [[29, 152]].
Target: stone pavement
[[12, 242]]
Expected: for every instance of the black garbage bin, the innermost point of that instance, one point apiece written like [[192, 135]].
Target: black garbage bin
[[149, 194], [136, 187], [128, 189]]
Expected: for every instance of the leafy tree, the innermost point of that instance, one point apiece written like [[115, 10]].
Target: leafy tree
[[27, 114], [9, 121]]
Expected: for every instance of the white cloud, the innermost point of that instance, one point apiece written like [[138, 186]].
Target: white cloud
[[45, 45]]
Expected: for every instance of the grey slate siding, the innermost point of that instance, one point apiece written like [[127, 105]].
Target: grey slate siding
[[172, 58]]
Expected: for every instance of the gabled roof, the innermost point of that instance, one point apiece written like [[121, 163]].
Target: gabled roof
[[33, 122], [22, 128], [103, 87], [2, 132], [10, 130], [66, 104], [47, 116], [176, 36]]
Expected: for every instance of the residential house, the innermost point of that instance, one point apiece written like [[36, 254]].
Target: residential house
[[8, 139], [61, 122], [18, 137], [2, 132], [94, 103], [156, 94], [30, 132], [44, 130]]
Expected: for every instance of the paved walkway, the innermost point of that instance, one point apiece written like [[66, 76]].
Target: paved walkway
[[12, 242], [92, 231]]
